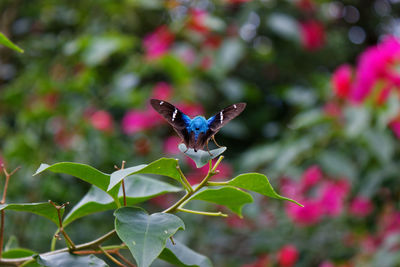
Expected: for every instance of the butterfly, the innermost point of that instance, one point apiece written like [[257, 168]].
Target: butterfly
[[197, 132]]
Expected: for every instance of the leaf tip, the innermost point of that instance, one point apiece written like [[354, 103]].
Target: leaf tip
[[41, 168]]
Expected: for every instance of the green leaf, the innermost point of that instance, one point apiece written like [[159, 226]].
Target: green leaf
[[66, 259], [308, 119], [6, 42], [81, 171], [228, 196], [44, 209], [163, 166], [259, 183], [17, 253], [138, 189], [144, 234], [180, 255], [201, 157]]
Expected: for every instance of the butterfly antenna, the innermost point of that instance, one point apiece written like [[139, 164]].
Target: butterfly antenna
[[213, 138]]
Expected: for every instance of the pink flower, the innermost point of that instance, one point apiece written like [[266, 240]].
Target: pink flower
[[312, 35], [341, 81], [288, 256], [395, 126], [171, 145], [311, 177], [310, 214], [361, 206], [376, 63], [101, 120], [306, 5], [162, 90], [158, 42], [138, 120], [332, 196]]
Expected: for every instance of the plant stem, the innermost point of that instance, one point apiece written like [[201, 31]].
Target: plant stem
[[123, 183], [185, 183], [68, 240], [3, 201], [125, 259], [89, 245], [217, 183], [203, 212], [181, 202], [111, 257]]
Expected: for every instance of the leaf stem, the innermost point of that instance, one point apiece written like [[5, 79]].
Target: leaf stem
[[125, 259], [181, 202], [217, 183], [185, 183], [111, 257], [3, 201], [89, 245], [203, 212], [68, 240]]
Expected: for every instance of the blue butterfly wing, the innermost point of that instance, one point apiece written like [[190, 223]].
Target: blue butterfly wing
[[176, 118]]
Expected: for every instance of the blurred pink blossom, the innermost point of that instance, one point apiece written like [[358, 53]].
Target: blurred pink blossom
[[361, 206], [190, 109], [288, 256], [376, 63], [395, 126], [138, 120], [310, 177], [332, 196], [171, 145], [310, 214], [101, 120], [341, 81], [312, 35], [162, 90], [158, 42]]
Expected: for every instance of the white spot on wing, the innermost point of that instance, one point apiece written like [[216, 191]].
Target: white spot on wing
[[174, 114], [221, 116], [234, 106], [162, 102]]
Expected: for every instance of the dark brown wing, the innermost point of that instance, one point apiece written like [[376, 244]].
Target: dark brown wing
[[176, 118], [216, 122]]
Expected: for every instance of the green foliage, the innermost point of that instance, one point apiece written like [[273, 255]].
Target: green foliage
[[231, 197], [6, 42], [44, 209], [144, 234], [67, 259]]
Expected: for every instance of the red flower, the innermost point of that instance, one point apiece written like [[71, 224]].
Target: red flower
[[341, 81], [288, 256], [138, 120], [312, 35], [101, 120], [332, 196], [158, 42]]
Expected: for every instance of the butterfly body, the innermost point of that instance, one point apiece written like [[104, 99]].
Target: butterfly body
[[196, 132]]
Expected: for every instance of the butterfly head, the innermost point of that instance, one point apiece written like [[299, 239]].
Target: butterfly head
[[198, 125]]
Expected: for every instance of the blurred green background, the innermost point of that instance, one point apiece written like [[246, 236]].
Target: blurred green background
[[81, 92]]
